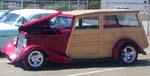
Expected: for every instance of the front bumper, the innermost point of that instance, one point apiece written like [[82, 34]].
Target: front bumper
[[9, 50]]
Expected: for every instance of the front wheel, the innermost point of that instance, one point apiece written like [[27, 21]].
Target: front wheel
[[128, 54], [34, 60]]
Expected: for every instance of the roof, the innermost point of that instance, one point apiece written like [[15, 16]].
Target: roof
[[28, 12], [83, 12]]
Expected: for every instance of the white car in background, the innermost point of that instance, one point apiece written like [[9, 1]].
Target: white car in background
[[10, 23]]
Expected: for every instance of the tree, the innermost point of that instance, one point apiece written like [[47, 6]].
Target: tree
[[94, 4]]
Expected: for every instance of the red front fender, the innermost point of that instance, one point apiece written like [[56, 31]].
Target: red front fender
[[52, 55]]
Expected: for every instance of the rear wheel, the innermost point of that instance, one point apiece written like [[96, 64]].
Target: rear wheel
[[34, 60], [128, 54]]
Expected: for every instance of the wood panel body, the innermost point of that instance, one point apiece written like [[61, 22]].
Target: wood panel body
[[98, 43]]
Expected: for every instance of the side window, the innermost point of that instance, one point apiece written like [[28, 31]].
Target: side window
[[44, 14], [124, 20], [61, 22], [35, 17], [128, 20], [110, 21], [91, 22]]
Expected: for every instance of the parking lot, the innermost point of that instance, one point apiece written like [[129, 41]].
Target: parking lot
[[96, 68], [92, 68]]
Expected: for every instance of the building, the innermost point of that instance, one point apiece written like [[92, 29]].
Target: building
[[131, 4]]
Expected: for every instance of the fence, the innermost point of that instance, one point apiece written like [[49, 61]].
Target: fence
[[65, 5]]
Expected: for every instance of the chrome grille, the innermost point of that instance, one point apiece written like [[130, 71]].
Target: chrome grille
[[20, 43]]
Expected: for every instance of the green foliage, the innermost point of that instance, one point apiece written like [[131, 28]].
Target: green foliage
[[62, 5], [32, 5], [94, 5], [2, 4]]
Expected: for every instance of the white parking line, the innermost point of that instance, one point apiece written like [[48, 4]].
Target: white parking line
[[4, 61], [148, 52], [97, 71]]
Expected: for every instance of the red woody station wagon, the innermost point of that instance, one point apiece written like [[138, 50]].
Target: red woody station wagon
[[80, 34]]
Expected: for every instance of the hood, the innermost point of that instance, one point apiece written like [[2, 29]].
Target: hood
[[42, 19], [25, 26], [4, 26]]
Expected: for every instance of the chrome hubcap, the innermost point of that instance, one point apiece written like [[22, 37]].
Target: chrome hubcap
[[35, 59], [129, 54]]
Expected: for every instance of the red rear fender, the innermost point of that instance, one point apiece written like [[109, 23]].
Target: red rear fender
[[120, 43]]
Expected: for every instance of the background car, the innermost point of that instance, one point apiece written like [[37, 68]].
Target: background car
[[10, 23], [3, 13]]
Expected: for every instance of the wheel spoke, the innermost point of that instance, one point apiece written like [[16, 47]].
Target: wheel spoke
[[39, 60], [132, 53], [125, 50], [39, 56], [35, 63]]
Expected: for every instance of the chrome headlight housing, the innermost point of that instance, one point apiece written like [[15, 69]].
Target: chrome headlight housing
[[21, 43]]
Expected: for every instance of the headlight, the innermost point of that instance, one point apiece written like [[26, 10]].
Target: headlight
[[15, 40]]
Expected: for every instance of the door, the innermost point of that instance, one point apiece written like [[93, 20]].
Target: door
[[84, 41]]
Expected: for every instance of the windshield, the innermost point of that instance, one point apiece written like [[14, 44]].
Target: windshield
[[10, 18], [2, 13], [62, 22]]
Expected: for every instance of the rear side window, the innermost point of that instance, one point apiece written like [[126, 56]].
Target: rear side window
[[91, 22], [111, 21], [128, 20]]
